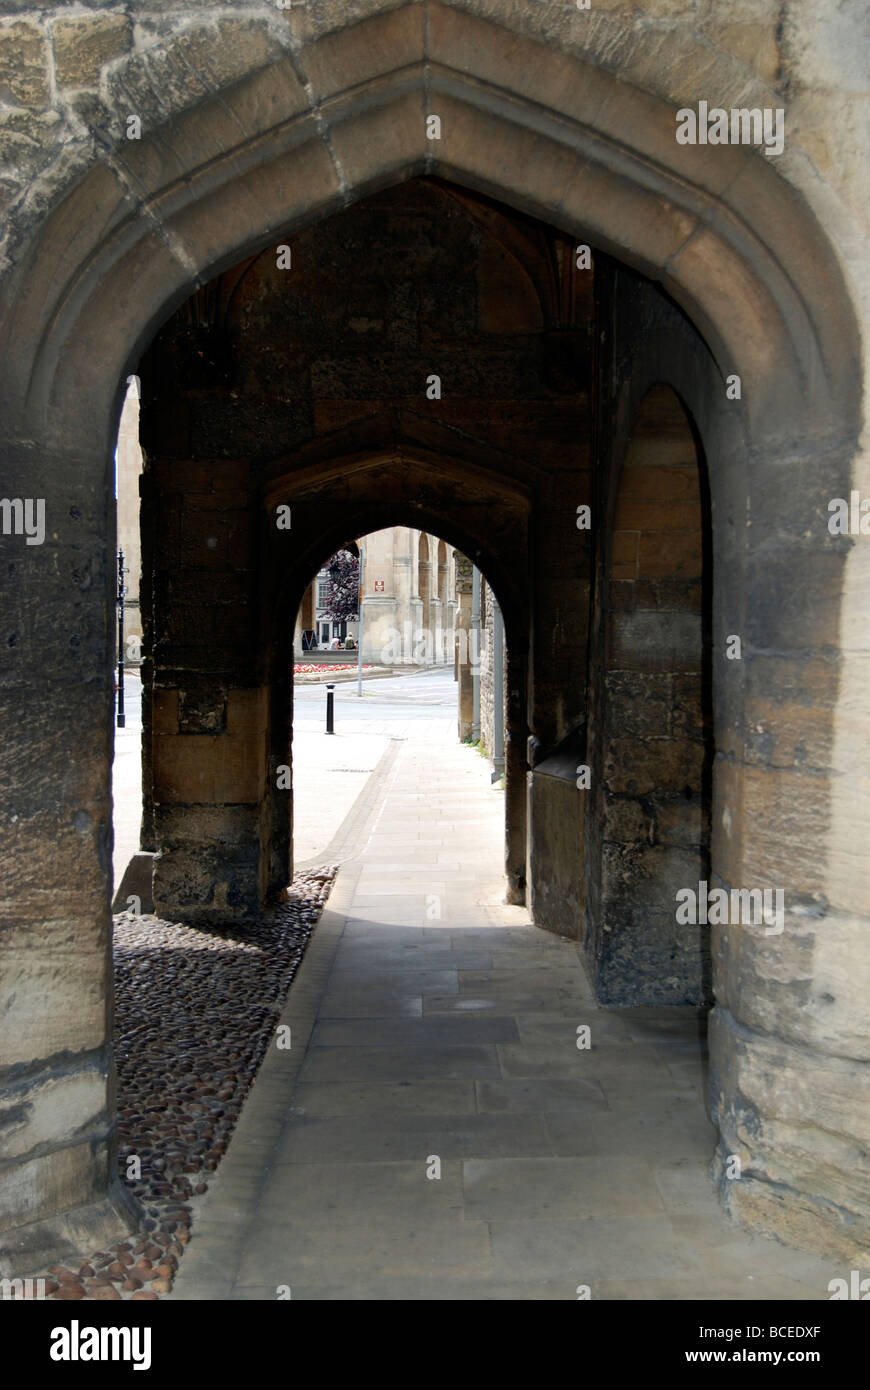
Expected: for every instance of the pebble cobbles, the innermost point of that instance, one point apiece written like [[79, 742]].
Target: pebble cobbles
[[194, 1012]]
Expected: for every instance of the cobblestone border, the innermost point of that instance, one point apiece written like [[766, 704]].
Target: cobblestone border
[[194, 1013]]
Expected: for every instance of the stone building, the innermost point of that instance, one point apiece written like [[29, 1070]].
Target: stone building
[[128, 469], [492, 661], [409, 600], [448, 267], [316, 617], [481, 665]]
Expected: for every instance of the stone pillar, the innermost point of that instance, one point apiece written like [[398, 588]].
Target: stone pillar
[[210, 765], [381, 632], [653, 802], [476, 649], [210, 728], [516, 807], [451, 604], [59, 1186], [305, 617], [436, 617], [463, 651]]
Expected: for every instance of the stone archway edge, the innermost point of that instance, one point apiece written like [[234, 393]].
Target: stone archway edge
[[734, 243], [264, 151]]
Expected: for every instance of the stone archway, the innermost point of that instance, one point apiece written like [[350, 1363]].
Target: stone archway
[[651, 746], [735, 246], [385, 491]]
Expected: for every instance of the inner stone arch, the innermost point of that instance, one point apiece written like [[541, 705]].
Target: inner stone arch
[[652, 744]]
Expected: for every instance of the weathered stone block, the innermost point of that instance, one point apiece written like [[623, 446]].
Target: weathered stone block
[[364, 51], [689, 718], [655, 641], [191, 481], [184, 768], [624, 555], [556, 825], [203, 768], [208, 883], [247, 711], [57, 1108], [641, 879], [800, 1122], [665, 594], [787, 811], [665, 517], [24, 62], [240, 775], [757, 45], [35, 993], [796, 1218], [646, 477], [681, 822], [677, 553], [202, 712], [81, 1202], [787, 616], [634, 767], [626, 821], [302, 181], [84, 43], [212, 825], [806, 984], [639, 703], [652, 966], [164, 711]]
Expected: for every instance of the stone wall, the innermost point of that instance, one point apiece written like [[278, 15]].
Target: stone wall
[[772, 711], [255, 120], [412, 319], [657, 736], [488, 693]]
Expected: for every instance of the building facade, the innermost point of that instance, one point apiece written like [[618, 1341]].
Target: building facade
[[128, 470], [409, 601]]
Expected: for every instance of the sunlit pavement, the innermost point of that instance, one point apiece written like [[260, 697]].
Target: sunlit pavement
[[434, 1131]]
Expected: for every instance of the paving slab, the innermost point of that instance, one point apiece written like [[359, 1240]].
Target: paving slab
[[435, 1133], [387, 1099]]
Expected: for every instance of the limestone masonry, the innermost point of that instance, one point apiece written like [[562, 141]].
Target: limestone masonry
[[447, 272]]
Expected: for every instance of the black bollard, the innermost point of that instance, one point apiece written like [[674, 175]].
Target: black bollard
[[330, 697]]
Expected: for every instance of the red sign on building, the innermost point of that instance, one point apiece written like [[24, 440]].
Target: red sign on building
[[379, 586]]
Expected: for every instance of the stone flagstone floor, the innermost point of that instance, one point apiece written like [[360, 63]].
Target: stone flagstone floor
[[430, 1022]]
